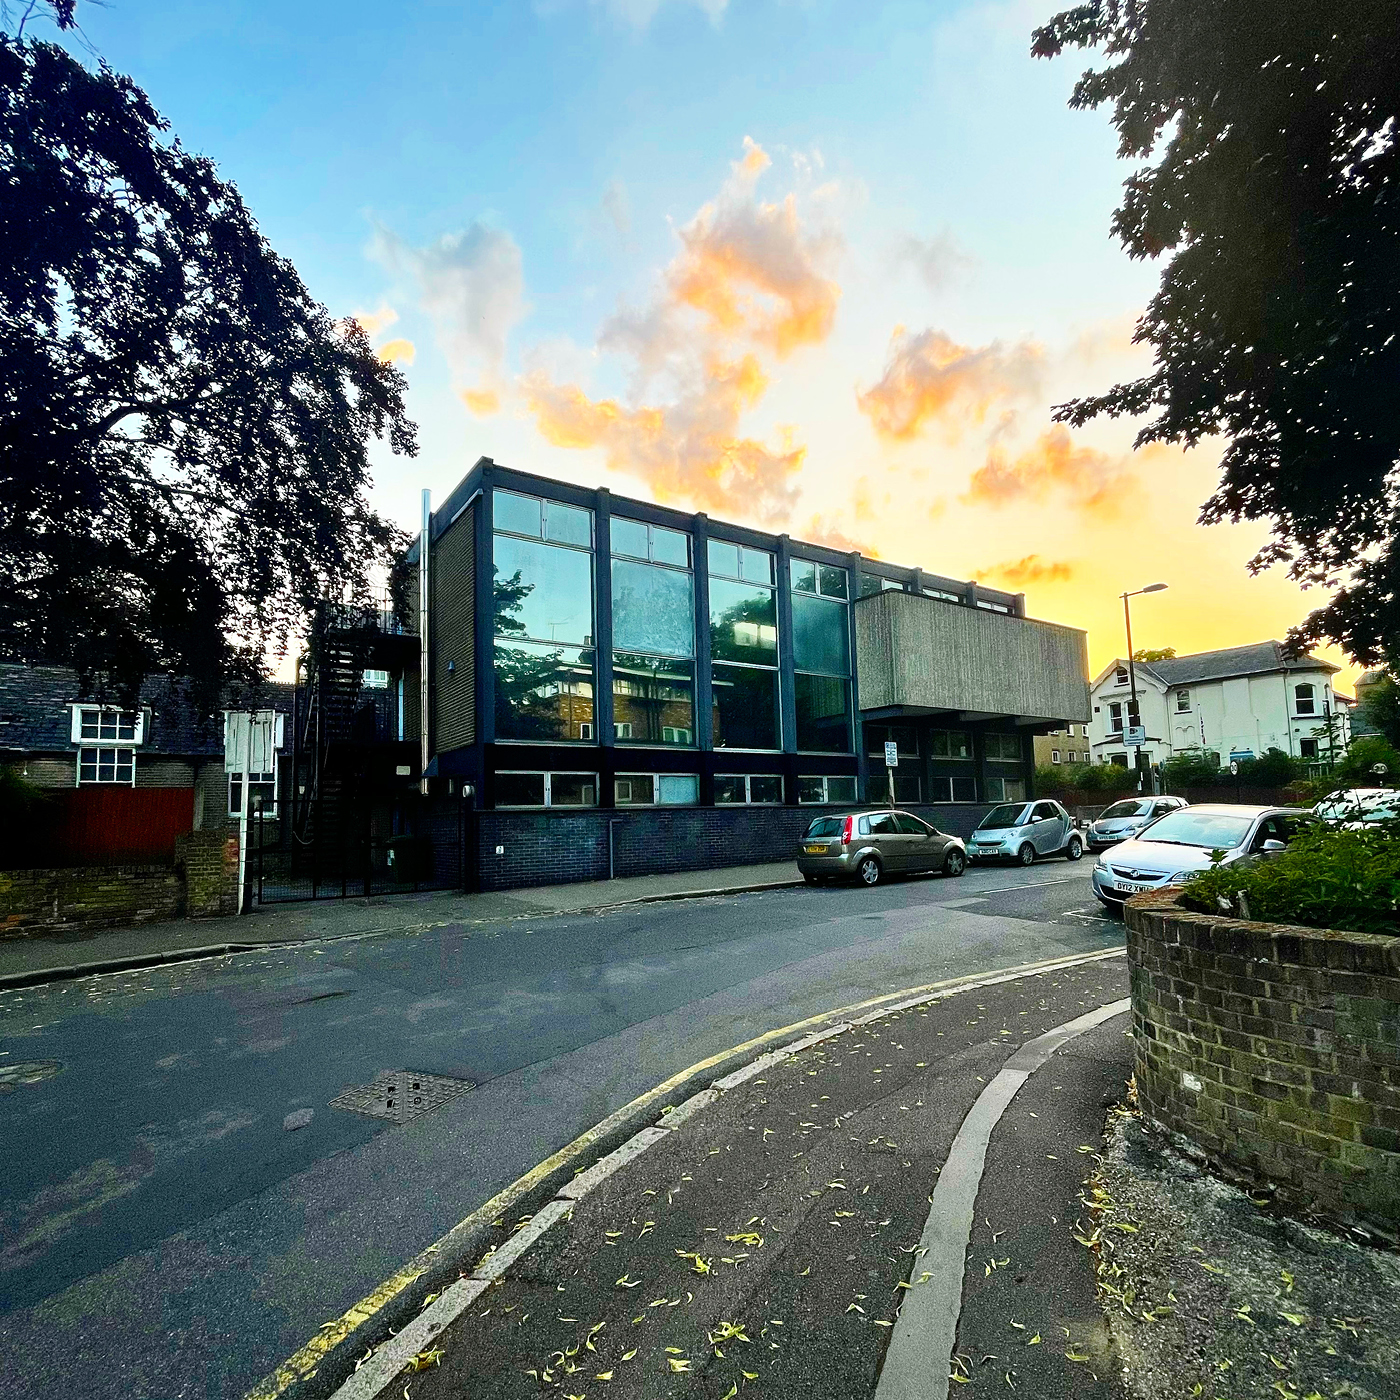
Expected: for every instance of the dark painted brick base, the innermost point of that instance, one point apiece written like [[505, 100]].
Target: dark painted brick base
[[555, 848]]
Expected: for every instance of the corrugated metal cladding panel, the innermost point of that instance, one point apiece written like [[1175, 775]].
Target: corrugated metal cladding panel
[[937, 656], [453, 613]]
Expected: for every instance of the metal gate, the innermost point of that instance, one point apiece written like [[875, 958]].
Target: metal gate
[[343, 847]]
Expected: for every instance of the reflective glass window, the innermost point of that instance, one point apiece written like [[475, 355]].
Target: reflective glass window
[[543, 692], [804, 576], [653, 609], [832, 581], [823, 714], [906, 737], [755, 565], [629, 537], [841, 789], [743, 623], [766, 788], [946, 743], [745, 708], [670, 547], [819, 641], [568, 524], [543, 592], [653, 699], [634, 789], [1004, 748], [811, 789], [729, 791], [573, 790], [723, 558], [519, 789], [964, 789], [518, 514]]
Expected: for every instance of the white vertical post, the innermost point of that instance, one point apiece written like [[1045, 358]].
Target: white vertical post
[[243, 806], [424, 678]]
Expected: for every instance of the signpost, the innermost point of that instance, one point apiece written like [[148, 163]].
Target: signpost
[[891, 763]]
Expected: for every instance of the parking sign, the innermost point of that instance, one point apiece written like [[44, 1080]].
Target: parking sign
[[891, 754]]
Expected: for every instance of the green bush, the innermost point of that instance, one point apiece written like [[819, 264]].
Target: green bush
[[1327, 878]]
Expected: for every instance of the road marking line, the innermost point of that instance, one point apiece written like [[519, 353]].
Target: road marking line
[[304, 1362], [921, 1347]]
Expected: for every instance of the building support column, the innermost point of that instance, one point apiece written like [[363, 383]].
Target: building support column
[[603, 726]]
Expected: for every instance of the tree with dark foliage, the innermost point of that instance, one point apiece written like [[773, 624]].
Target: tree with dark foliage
[[1274, 131], [184, 431]]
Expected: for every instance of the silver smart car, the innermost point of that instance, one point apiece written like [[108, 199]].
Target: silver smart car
[[869, 846], [1021, 831]]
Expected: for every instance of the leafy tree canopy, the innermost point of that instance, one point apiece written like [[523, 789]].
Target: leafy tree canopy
[[1381, 708], [1271, 136], [184, 431], [1154, 654]]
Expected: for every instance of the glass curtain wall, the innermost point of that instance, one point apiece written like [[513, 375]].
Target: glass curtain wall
[[743, 647], [543, 572], [653, 616], [821, 651]]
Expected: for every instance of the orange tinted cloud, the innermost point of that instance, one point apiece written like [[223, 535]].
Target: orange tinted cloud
[[376, 321], [930, 379], [1086, 478], [395, 352], [1031, 569], [482, 402], [749, 282], [687, 450]]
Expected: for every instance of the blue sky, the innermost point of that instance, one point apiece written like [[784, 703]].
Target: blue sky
[[670, 247]]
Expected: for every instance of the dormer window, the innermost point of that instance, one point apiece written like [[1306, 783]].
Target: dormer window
[[108, 725], [1120, 676]]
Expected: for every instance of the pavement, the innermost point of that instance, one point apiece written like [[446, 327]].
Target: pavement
[[887, 1211], [195, 1200], [45, 956]]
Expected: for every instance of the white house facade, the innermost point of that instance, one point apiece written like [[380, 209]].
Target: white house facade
[[1239, 703]]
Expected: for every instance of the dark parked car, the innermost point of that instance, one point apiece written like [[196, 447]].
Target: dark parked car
[[869, 846]]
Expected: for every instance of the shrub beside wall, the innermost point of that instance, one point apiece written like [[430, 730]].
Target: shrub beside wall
[[1275, 1048]]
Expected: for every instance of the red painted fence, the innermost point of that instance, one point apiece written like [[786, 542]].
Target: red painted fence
[[110, 825]]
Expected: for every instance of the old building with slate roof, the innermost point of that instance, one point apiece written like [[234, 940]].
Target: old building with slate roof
[[1238, 703]]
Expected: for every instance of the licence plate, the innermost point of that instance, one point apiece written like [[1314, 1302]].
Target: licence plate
[[815, 850], [1128, 887]]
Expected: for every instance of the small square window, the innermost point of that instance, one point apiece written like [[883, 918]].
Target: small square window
[[670, 547], [804, 576], [768, 788], [568, 524], [723, 558], [832, 581], [520, 515], [756, 565], [729, 791], [629, 538], [635, 790], [573, 790], [519, 789]]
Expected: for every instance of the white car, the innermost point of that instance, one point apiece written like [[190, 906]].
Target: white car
[[1185, 842], [1357, 807]]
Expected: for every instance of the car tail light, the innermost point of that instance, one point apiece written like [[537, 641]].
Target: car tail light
[[848, 830]]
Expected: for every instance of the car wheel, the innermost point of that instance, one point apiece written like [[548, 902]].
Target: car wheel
[[1026, 855], [1074, 849], [955, 862], [869, 871]]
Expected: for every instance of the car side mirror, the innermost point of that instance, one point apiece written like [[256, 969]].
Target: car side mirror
[[1272, 845]]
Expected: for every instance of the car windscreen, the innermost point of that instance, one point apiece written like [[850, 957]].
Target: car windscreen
[[1125, 809], [1213, 831], [1007, 814], [825, 826]]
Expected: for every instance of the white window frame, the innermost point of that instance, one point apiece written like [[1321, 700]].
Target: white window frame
[[668, 731], [117, 751], [826, 799], [585, 730], [548, 790], [1115, 717], [78, 710], [1299, 700], [656, 789], [1183, 702], [749, 799], [235, 788], [1054, 755]]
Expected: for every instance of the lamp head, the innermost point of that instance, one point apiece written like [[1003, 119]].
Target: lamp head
[[1154, 588]]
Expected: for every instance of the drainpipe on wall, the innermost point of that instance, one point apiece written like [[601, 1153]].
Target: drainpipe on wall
[[424, 675]]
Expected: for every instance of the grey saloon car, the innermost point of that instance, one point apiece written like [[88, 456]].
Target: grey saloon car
[[870, 846], [1187, 841], [1126, 818], [1021, 831]]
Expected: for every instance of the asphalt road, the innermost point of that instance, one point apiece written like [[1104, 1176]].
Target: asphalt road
[[164, 1231]]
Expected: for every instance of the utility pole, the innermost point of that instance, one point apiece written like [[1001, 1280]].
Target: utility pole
[[1134, 719]]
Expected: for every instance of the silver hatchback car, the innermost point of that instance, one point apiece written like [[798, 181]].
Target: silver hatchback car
[[869, 846], [1125, 819]]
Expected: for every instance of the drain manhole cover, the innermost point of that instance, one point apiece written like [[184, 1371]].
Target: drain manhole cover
[[27, 1072], [397, 1095]]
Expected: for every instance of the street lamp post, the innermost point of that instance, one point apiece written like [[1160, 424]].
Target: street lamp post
[[1133, 716]]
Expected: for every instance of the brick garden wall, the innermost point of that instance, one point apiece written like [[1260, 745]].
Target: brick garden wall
[[208, 863], [554, 848], [87, 897], [1275, 1048]]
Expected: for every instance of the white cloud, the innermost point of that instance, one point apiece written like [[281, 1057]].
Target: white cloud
[[472, 285]]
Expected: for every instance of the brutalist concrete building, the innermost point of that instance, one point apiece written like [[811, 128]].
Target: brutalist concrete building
[[620, 687]]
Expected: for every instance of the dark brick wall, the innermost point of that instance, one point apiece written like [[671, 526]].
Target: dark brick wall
[[1276, 1049], [556, 848], [208, 862], [86, 897]]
